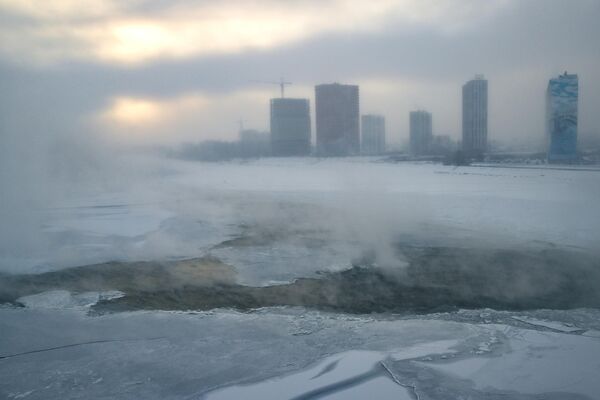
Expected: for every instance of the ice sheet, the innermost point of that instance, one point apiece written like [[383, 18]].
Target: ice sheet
[[55, 354], [62, 299], [356, 201], [538, 362]]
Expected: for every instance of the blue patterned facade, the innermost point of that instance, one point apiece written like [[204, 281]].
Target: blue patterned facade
[[561, 108]]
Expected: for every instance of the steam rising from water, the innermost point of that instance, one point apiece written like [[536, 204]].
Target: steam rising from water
[[435, 279], [274, 221]]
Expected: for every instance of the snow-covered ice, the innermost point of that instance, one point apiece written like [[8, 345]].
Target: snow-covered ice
[[558, 326], [538, 362], [276, 220], [347, 375], [61, 299], [56, 354], [337, 207]]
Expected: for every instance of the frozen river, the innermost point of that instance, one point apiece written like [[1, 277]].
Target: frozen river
[[294, 353], [174, 210], [271, 222]]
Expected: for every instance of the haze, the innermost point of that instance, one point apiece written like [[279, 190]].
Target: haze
[[158, 72], [171, 229]]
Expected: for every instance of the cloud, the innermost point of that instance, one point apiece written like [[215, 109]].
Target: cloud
[[404, 54], [192, 116], [144, 31]]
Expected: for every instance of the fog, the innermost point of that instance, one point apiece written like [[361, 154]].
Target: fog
[[153, 244], [90, 169], [418, 55], [66, 111]]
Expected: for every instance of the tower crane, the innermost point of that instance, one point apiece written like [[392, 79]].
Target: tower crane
[[282, 83]]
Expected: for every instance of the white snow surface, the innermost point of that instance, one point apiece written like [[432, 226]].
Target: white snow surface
[[183, 209], [287, 353], [63, 299], [308, 215], [329, 372], [538, 362]]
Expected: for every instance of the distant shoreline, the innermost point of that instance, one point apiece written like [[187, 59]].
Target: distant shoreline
[[542, 167]]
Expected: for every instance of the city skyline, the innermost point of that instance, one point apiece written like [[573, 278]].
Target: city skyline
[[299, 199], [474, 141], [145, 82]]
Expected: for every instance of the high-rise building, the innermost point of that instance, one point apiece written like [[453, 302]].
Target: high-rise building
[[420, 132], [290, 127], [561, 118], [337, 119], [373, 134], [475, 116]]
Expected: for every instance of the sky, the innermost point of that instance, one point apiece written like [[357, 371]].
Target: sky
[[147, 72]]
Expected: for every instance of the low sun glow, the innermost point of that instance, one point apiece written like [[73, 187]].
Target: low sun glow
[[132, 111], [149, 117], [110, 33], [136, 41], [132, 42]]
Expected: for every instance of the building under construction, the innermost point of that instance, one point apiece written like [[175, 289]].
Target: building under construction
[[290, 127]]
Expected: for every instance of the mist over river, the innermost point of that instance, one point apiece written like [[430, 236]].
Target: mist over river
[[337, 277]]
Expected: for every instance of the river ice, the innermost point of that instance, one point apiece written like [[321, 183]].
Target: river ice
[[286, 353], [276, 220], [321, 214]]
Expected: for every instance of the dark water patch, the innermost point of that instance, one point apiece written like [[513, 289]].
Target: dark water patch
[[554, 277], [255, 235], [436, 279]]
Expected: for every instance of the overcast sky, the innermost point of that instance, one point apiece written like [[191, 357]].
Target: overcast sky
[[167, 71]]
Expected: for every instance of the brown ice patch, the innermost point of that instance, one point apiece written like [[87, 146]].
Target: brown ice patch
[[123, 276]]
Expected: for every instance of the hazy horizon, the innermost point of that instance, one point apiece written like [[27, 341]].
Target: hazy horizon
[[154, 72], [151, 249]]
